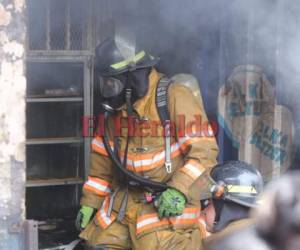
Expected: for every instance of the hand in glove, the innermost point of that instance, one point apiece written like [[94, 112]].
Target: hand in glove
[[170, 203], [83, 217]]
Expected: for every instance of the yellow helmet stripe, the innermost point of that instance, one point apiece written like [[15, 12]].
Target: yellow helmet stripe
[[241, 189], [139, 56], [125, 63]]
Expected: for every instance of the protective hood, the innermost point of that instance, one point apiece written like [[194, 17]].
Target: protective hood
[[139, 82], [228, 212]]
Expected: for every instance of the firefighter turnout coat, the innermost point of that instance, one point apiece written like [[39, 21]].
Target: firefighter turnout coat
[[193, 152]]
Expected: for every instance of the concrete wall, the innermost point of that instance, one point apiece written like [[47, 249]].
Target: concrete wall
[[12, 123]]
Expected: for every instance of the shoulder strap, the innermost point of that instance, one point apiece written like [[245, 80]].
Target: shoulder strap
[[162, 99], [163, 111]]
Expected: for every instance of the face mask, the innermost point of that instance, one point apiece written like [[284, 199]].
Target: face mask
[[113, 88]]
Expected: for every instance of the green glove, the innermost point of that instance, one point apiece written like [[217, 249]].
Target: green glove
[[83, 217], [170, 203]]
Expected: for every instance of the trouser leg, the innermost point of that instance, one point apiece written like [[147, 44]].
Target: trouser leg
[[115, 236], [169, 239]]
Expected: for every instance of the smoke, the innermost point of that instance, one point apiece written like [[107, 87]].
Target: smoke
[[261, 32], [205, 38], [210, 38]]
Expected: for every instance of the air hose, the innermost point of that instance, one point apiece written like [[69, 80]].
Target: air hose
[[133, 180]]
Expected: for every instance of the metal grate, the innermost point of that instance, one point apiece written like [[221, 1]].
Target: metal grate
[[57, 24], [78, 24], [37, 24], [102, 13]]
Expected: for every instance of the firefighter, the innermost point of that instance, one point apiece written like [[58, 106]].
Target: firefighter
[[276, 220], [144, 183], [234, 190]]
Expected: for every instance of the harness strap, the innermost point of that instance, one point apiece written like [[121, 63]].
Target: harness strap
[[163, 111]]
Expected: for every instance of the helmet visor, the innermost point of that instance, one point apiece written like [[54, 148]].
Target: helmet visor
[[110, 86]]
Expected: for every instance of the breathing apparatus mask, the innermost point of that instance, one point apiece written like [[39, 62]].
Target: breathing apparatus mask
[[113, 88], [119, 65]]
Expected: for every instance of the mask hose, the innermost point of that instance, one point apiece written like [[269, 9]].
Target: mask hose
[[133, 180]]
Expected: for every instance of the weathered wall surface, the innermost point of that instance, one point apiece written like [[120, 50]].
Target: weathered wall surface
[[12, 123]]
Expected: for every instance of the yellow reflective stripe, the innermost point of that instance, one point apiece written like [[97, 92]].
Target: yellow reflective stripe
[[241, 189], [125, 63], [97, 185], [103, 219], [150, 221], [120, 65], [146, 162], [193, 169], [139, 56]]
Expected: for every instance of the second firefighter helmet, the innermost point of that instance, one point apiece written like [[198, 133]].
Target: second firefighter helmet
[[235, 181]]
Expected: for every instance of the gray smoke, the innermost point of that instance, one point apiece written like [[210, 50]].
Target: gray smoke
[[210, 38]]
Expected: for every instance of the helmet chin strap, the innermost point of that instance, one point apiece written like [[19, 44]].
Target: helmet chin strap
[[227, 212]]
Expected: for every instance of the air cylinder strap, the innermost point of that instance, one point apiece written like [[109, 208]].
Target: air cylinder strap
[[163, 111]]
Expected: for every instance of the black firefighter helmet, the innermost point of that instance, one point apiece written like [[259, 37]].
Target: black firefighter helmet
[[236, 181], [113, 59], [233, 181]]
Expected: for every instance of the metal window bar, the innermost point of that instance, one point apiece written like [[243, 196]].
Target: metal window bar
[[47, 25], [67, 27]]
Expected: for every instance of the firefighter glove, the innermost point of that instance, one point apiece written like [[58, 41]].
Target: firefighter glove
[[83, 217], [170, 203]]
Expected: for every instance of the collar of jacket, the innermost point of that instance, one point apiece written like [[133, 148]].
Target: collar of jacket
[[140, 106]]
